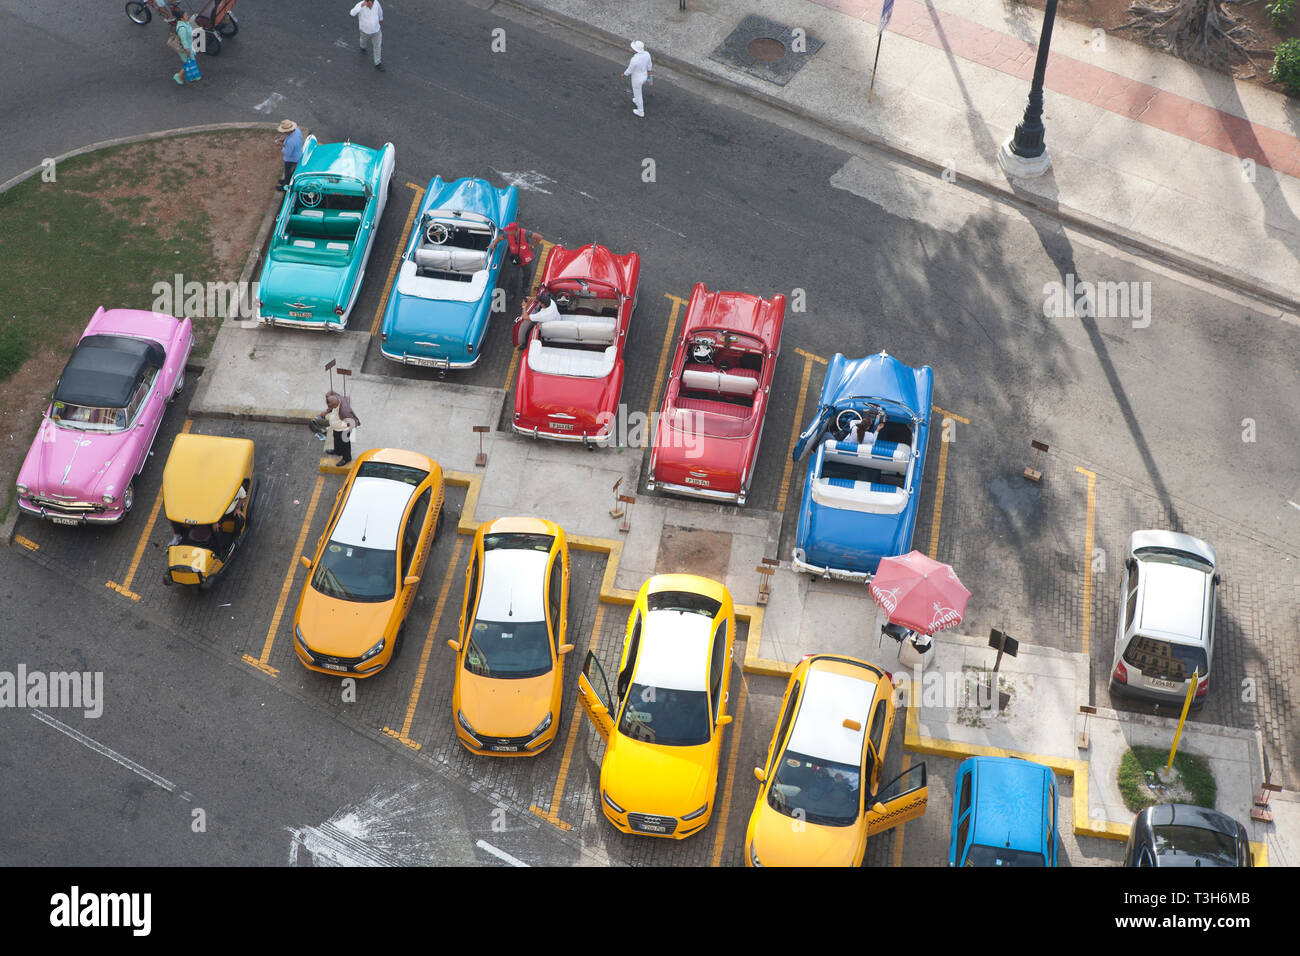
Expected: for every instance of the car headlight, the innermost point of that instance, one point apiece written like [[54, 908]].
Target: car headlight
[[695, 813], [299, 637], [373, 651], [465, 724], [108, 499], [610, 803], [753, 856], [542, 727]]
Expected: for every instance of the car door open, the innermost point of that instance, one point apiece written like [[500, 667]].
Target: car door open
[[900, 800], [594, 696]]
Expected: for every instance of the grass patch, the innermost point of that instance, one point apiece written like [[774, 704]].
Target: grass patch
[[1195, 779]]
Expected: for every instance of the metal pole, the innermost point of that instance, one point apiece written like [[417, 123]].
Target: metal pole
[[1030, 132], [877, 60]]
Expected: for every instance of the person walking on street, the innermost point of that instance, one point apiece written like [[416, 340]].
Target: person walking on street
[[342, 420], [520, 252], [641, 71], [183, 35], [290, 143], [370, 16]]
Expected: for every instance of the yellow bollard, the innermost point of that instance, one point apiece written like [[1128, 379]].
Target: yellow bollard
[[1196, 679]]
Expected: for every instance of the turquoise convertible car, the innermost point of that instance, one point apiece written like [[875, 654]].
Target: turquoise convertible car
[[438, 310], [323, 235]]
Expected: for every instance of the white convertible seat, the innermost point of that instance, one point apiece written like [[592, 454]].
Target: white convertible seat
[[889, 456], [574, 330], [723, 382], [853, 495], [575, 362], [451, 260]]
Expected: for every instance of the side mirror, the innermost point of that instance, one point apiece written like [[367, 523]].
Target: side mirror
[[564, 649], [306, 561], [411, 579], [878, 808], [760, 774], [724, 720], [454, 645]]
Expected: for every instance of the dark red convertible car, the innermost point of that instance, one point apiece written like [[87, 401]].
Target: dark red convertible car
[[707, 437], [571, 376]]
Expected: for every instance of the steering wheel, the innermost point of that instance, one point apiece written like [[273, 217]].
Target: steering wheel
[[846, 421], [310, 197], [436, 233]]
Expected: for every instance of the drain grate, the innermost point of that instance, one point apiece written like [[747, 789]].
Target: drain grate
[[766, 49]]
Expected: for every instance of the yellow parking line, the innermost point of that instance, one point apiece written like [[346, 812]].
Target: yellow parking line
[[942, 479], [125, 586], [721, 825], [27, 543], [943, 413], [532, 291], [1088, 542], [404, 734], [809, 355], [797, 427], [261, 662], [397, 258], [575, 720], [898, 830], [663, 352]]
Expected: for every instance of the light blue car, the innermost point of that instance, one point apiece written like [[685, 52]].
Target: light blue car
[[1003, 813], [439, 306], [862, 490]]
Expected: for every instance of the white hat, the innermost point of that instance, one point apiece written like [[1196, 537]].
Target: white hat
[[638, 46], [286, 126]]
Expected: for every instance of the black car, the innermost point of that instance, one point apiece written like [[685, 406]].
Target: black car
[[1179, 834]]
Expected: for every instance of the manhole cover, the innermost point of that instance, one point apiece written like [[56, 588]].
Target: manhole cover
[[694, 551], [766, 49]]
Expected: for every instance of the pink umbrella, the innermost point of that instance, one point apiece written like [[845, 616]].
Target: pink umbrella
[[919, 592]]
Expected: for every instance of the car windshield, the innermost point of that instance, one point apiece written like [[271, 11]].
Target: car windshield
[[817, 791], [87, 418], [508, 649], [662, 715], [982, 855], [1194, 846], [383, 469], [1172, 556], [518, 541], [353, 573], [1166, 660], [687, 601]]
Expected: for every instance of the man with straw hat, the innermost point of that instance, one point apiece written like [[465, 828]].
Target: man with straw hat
[[640, 69], [290, 143]]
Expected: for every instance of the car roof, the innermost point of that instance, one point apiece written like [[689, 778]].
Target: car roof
[[513, 585], [674, 651], [372, 515], [1173, 601], [828, 698], [1008, 799], [103, 370]]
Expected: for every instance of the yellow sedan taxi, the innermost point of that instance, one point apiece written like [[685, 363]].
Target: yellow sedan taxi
[[820, 798], [663, 725], [510, 650], [368, 563]]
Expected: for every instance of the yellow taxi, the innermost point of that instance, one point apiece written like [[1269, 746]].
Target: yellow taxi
[[663, 725], [368, 563], [511, 645], [820, 796]]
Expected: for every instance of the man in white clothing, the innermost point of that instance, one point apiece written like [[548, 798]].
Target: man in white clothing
[[370, 15], [639, 68]]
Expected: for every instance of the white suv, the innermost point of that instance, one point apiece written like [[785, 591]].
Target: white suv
[[1166, 623]]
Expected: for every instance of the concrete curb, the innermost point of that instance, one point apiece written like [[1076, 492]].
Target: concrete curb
[[1274, 295]]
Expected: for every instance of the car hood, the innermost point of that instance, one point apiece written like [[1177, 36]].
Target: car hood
[[78, 464], [341, 628], [450, 327], [647, 778], [497, 707], [777, 842]]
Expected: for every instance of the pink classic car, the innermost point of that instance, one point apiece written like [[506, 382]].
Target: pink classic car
[[107, 407]]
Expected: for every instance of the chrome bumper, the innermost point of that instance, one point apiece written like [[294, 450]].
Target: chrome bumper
[[838, 574]]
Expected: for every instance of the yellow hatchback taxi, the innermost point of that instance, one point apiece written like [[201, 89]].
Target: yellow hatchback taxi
[[663, 726], [368, 563], [820, 798], [510, 651]]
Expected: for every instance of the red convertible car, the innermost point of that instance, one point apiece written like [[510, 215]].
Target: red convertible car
[[572, 374], [707, 437]]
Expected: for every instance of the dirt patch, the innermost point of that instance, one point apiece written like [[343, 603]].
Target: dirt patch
[[694, 551], [1112, 15], [190, 204]]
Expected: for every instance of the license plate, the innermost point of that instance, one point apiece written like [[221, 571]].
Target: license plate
[[654, 827], [697, 481], [504, 748], [428, 362], [65, 520], [559, 426], [299, 315], [1164, 684], [335, 667]]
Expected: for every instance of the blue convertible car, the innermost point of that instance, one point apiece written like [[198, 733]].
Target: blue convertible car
[[438, 310], [864, 476]]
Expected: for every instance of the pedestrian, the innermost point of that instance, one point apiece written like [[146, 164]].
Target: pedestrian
[[520, 251], [641, 70], [370, 15], [342, 421], [183, 35], [290, 143]]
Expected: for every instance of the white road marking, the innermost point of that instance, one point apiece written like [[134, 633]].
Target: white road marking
[[269, 104], [1293, 504], [111, 754], [499, 854], [529, 181]]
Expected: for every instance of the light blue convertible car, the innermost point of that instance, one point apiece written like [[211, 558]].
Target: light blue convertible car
[[438, 309], [863, 485]]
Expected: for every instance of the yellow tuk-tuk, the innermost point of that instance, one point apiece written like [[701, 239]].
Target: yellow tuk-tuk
[[208, 492]]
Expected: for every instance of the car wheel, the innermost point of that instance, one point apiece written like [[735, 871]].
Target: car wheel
[[437, 527], [229, 26], [212, 42], [179, 387], [138, 12], [128, 498], [397, 642]]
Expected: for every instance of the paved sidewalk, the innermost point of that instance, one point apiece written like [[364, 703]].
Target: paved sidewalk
[[1177, 160]]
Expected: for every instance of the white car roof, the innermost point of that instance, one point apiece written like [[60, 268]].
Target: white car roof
[[513, 585], [674, 651], [1173, 604], [372, 515], [828, 699]]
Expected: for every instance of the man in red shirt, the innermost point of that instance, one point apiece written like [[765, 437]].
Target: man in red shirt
[[521, 257]]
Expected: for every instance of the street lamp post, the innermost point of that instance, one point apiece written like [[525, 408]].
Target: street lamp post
[[1024, 154]]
